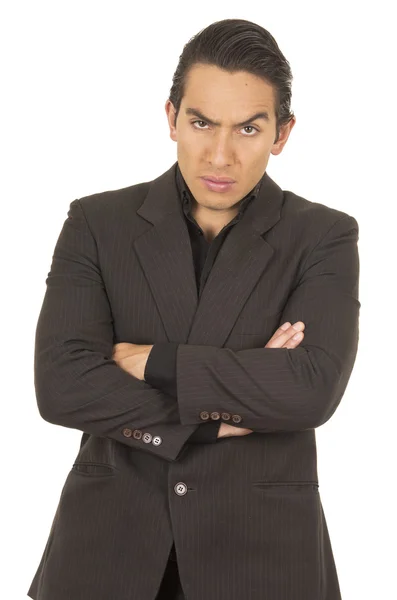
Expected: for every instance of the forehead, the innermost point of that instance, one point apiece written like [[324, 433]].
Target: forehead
[[210, 87]]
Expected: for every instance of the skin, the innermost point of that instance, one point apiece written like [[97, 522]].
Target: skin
[[224, 150]]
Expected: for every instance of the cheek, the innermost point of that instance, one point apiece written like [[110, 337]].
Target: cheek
[[258, 163], [188, 148]]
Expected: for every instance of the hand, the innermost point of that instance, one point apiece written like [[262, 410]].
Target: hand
[[132, 358], [282, 338], [226, 430]]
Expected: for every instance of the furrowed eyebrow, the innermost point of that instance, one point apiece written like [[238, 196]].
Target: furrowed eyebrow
[[197, 113]]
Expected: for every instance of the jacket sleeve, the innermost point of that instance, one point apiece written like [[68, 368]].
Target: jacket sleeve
[[160, 372], [77, 383], [277, 389]]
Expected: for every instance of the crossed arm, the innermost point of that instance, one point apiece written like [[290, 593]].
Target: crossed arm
[[160, 371], [79, 385]]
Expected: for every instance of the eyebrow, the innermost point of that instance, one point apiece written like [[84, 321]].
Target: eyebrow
[[197, 113]]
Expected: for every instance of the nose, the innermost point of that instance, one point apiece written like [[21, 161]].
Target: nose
[[220, 152]]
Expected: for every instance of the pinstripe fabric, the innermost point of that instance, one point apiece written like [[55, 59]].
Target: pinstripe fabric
[[160, 370], [250, 525]]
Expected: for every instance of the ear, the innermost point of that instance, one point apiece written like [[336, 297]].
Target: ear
[[171, 112], [285, 130]]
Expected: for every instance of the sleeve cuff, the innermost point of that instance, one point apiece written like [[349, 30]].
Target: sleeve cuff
[[207, 433], [160, 370]]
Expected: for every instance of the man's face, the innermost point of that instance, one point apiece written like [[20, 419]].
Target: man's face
[[227, 149]]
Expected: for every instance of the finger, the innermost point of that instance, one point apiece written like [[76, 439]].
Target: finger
[[122, 345], [282, 329], [119, 355], [283, 338], [293, 343]]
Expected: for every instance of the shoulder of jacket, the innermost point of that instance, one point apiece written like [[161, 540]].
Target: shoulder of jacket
[[117, 201], [312, 215]]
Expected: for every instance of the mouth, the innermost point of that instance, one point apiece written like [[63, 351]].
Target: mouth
[[219, 179], [216, 185]]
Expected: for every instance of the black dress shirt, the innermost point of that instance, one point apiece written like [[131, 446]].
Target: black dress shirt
[[160, 370]]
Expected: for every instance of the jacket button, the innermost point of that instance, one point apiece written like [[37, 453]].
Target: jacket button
[[204, 415], [137, 433], [156, 440], [147, 438], [226, 416], [215, 416], [127, 432], [180, 488], [236, 418]]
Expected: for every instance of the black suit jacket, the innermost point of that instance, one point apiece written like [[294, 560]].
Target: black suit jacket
[[160, 371], [245, 513]]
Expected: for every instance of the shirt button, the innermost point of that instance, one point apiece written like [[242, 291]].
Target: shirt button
[[127, 432], [236, 418], [204, 415], [215, 416], [137, 433], [147, 438], [180, 488], [156, 440], [226, 416]]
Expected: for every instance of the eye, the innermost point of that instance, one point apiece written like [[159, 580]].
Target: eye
[[193, 122], [250, 127], [245, 127]]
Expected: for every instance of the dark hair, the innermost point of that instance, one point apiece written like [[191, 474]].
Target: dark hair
[[238, 45]]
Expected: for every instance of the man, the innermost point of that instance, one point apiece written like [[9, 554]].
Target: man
[[167, 336]]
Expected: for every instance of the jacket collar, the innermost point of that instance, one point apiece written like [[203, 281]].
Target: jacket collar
[[164, 252]]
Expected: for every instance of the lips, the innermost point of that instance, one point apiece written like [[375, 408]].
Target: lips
[[219, 179], [218, 186]]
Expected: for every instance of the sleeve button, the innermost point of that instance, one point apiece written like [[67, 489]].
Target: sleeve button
[[236, 418]]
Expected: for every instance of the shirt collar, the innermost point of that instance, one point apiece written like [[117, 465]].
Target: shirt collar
[[186, 196]]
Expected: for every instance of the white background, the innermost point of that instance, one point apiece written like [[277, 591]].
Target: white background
[[82, 111]]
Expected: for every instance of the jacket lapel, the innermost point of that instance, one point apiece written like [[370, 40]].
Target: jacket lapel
[[165, 254]]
